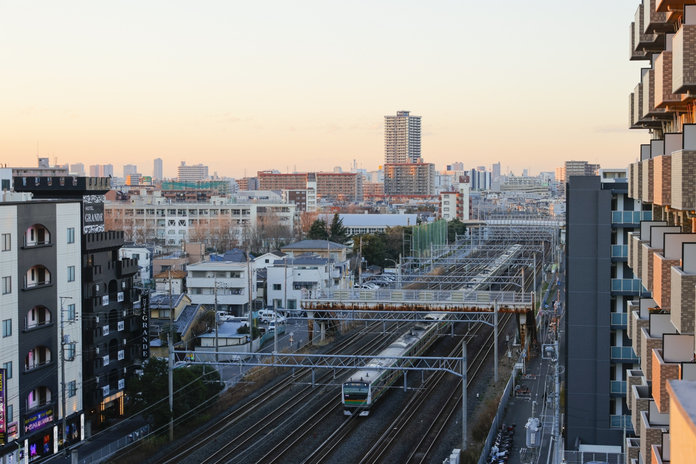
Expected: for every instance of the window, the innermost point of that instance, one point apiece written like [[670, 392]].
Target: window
[[8, 370], [71, 273], [7, 328], [10, 413], [6, 285], [277, 286], [71, 312], [71, 235], [135, 256], [6, 242], [70, 351], [292, 304], [72, 388]]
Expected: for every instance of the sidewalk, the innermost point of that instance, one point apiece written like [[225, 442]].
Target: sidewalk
[[105, 443]]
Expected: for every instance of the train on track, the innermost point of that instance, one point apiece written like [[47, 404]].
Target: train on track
[[498, 267], [368, 384]]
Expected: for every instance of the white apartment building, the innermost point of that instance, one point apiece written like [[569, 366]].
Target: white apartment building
[[292, 277], [192, 173], [157, 171], [402, 138], [176, 222], [144, 257], [225, 280]]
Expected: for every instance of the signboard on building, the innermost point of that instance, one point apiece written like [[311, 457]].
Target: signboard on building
[[145, 321], [3, 405], [93, 213], [38, 420]]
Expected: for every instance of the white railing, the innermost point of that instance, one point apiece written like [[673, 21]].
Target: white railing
[[457, 297]]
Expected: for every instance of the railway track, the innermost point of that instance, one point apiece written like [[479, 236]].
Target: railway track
[[216, 428]]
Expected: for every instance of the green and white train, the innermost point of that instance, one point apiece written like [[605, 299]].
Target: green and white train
[[368, 384]]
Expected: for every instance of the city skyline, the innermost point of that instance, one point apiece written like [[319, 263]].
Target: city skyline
[[94, 84]]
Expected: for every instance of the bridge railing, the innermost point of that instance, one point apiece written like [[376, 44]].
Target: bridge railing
[[451, 297]]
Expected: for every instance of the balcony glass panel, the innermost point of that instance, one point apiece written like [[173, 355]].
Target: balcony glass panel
[[618, 387], [620, 422], [624, 354], [630, 217], [619, 251], [625, 285], [619, 319]]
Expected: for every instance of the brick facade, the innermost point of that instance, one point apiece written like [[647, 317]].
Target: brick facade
[[683, 175], [683, 308], [662, 180], [662, 372]]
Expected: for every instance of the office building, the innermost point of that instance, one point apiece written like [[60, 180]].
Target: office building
[[103, 170], [402, 138], [496, 171], [192, 173], [157, 170], [409, 179], [129, 169], [600, 286]]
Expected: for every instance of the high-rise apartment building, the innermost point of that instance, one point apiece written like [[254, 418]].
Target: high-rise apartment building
[[598, 358], [192, 173], [101, 170], [655, 346], [327, 185], [77, 169], [157, 170], [409, 179], [129, 169], [402, 138], [496, 171]]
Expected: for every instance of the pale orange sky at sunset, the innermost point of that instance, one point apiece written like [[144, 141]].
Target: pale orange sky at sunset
[[305, 84]]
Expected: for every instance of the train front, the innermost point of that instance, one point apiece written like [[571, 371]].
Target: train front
[[356, 397]]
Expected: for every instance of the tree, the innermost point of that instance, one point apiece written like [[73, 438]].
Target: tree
[[337, 231], [304, 224], [245, 330], [455, 227], [192, 387], [318, 230]]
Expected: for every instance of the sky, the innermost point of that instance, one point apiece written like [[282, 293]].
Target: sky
[[304, 85]]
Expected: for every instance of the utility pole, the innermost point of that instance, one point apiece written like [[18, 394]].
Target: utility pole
[[62, 370], [171, 387], [249, 282], [216, 326], [464, 405], [495, 340]]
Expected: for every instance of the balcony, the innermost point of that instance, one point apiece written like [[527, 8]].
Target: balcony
[[626, 286], [683, 189], [683, 292], [650, 110], [632, 218], [623, 354], [652, 339], [638, 320], [38, 357], [37, 236], [618, 388], [635, 53], [617, 421], [37, 277], [654, 21], [103, 240], [126, 267], [633, 377], [38, 398], [684, 68], [652, 425], [619, 252], [619, 320], [37, 317], [662, 272], [640, 401], [664, 98], [92, 273], [634, 178], [632, 449], [681, 348]]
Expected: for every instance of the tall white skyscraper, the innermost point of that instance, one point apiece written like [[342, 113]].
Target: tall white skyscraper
[[402, 138], [157, 171]]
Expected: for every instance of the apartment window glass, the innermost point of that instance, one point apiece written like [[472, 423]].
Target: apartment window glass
[[71, 273], [292, 304], [8, 369], [71, 235], [277, 287], [7, 328], [10, 413], [71, 312], [6, 242], [70, 351], [6, 285], [72, 388]]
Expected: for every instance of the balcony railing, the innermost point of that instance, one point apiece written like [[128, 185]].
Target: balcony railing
[[619, 251], [618, 387], [35, 365], [623, 354], [619, 319], [630, 217], [626, 285], [36, 284], [620, 422]]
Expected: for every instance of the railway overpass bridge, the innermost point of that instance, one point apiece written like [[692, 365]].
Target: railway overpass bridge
[[348, 305]]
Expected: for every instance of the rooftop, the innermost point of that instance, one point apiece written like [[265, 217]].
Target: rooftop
[[314, 245]]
